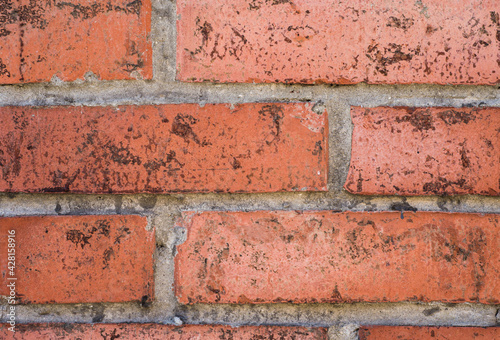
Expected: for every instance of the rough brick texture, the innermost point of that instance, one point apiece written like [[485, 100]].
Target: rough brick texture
[[78, 259], [166, 148], [155, 331], [67, 39], [425, 333], [425, 151], [304, 257], [302, 41]]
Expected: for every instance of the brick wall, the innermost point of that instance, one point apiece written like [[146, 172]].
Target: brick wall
[[250, 169]]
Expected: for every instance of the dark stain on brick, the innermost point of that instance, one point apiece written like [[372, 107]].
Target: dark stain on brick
[[130, 67], [420, 119], [318, 149], [32, 14], [299, 34], [235, 163], [20, 120], [3, 68], [123, 231], [119, 154], [108, 253], [78, 238], [386, 56], [364, 334], [91, 11], [6, 16], [83, 12], [257, 4], [403, 22], [234, 46], [451, 117], [111, 336], [100, 227], [155, 164], [439, 186], [22, 60], [464, 160], [205, 31], [61, 181], [103, 228], [275, 113], [336, 296], [429, 29], [182, 127], [495, 18], [359, 185]]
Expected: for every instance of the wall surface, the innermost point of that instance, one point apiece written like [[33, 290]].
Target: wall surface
[[247, 222]]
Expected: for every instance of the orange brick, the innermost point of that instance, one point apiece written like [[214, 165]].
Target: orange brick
[[155, 331], [425, 151], [328, 257], [78, 259], [424, 333], [42, 39], [166, 148], [344, 42]]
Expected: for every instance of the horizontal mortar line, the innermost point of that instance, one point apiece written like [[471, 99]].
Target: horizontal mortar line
[[297, 196], [328, 314], [159, 211], [105, 92], [447, 102]]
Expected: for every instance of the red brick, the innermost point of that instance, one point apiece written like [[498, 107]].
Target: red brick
[[42, 39], [328, 257], [425, 151], [155, 331], [78, 259], [166, 148], [345, 42], [424, 333]]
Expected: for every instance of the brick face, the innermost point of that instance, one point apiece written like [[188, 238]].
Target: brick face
[[329, 41], [79, 259], [306, 257], [42, 39], [155, 331], [165, 148], [424, 333], [195, 197], [425, 151]]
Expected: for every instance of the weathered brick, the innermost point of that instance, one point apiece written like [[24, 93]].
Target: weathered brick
[[425, 151], [330, 41], [327, 257], [78, 259], [42, 39], [156, 331], [424, 333], [166, 148]]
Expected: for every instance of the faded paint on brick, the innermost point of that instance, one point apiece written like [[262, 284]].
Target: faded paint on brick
[[67, 39], [328, 257], [424, 333], [425, 151], [79, 259], [345, 42], [165, 148], [156, 331]]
